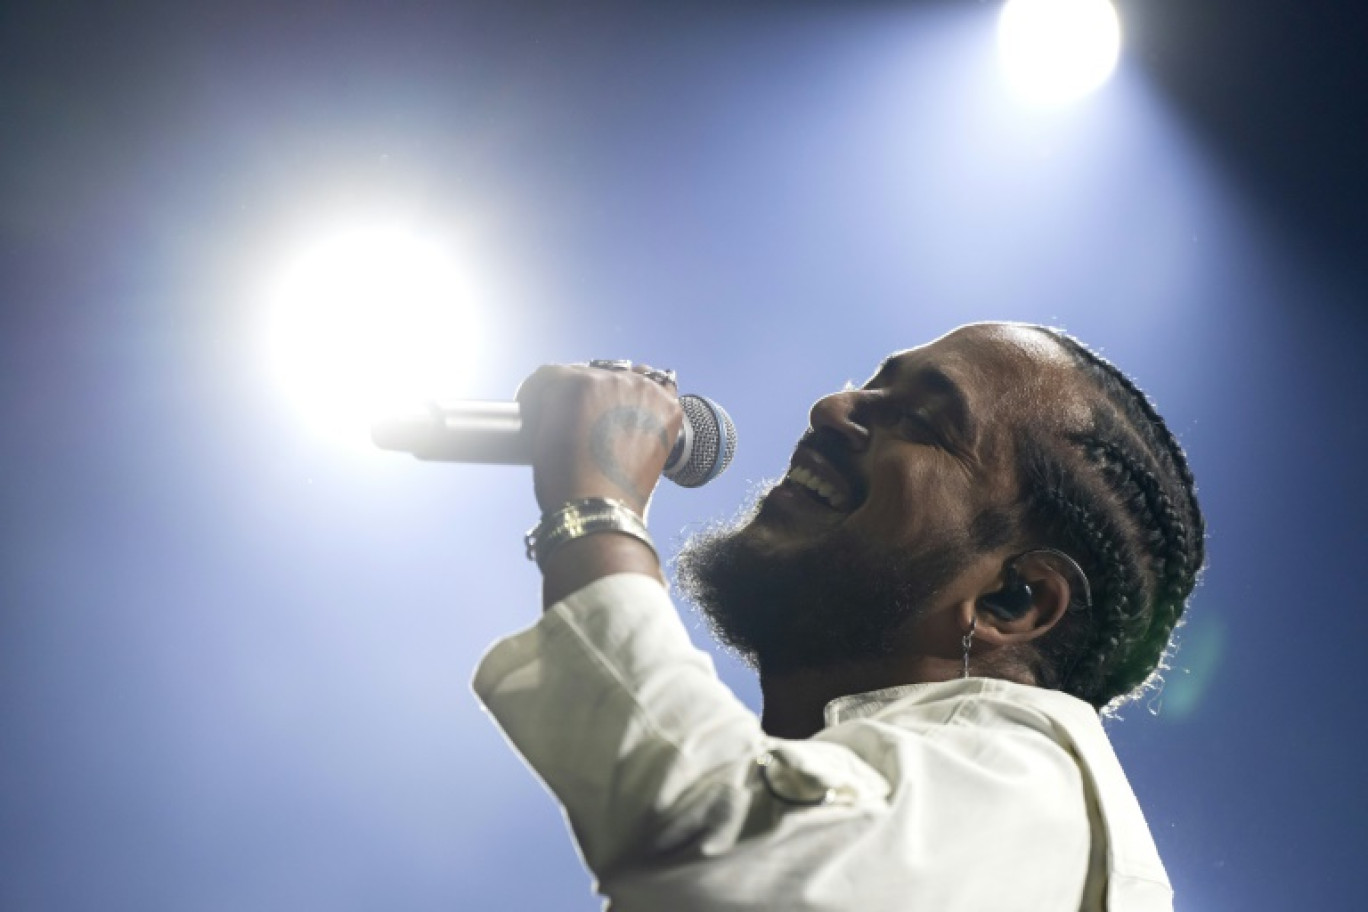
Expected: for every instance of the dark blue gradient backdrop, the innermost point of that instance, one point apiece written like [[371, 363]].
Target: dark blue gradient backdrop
[[235, 652]]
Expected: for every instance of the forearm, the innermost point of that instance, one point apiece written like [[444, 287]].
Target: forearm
[[621, 716], [606, 697]]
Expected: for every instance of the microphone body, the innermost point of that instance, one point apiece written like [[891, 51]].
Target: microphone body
[[484, 431]]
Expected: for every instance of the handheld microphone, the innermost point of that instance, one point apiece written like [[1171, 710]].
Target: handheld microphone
[[493, 432]]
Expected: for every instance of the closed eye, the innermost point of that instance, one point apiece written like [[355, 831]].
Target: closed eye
[[918, 421]]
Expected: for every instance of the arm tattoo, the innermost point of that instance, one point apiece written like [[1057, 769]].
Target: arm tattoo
[[609, 431]]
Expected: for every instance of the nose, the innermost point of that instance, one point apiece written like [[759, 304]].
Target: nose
[[842, 413]]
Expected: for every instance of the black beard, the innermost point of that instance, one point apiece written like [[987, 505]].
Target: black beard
[[831, 603]]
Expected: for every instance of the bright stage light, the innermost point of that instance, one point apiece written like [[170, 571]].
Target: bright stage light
[[368, 317], [1055, 51]]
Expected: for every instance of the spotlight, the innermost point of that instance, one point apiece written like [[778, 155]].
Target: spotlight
[[364, 317], [1055, 51]]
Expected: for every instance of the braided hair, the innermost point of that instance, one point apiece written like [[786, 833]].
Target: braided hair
[[1118, 496]]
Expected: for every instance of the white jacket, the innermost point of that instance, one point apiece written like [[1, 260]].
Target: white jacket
[[974, 794]]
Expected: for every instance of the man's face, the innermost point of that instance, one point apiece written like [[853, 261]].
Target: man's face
[[896, 487]]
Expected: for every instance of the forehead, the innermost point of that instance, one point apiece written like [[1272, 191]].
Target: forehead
[[996, 366], [987, 350]]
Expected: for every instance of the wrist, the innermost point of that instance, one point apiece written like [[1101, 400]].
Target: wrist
[[587, 539], [591, 558]]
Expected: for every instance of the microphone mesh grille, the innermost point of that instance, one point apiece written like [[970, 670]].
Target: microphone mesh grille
[[714, 442]]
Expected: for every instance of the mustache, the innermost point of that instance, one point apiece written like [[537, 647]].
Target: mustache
[[832, 447]]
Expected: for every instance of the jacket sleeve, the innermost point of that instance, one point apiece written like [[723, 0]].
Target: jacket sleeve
[[651, 755]]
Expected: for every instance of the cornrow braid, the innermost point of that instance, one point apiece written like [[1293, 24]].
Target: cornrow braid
[[1156, 506], [1119, 496]]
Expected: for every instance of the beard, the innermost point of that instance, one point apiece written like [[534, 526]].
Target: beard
[[835, 601]]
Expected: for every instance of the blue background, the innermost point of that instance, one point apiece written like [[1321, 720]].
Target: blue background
[[235, 654]]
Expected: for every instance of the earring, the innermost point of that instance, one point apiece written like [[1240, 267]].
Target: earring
[[967, 641]]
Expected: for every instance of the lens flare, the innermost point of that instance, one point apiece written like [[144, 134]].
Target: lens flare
[[1056, 51]]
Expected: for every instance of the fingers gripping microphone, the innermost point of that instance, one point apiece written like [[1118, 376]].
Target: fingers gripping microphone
[[492, 432]]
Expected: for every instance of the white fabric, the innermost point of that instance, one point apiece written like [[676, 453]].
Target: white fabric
[[974, 795]]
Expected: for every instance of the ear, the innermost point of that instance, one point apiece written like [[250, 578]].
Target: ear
[[1050, 595]]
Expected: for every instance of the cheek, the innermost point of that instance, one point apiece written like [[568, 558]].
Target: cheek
[[917, 502]]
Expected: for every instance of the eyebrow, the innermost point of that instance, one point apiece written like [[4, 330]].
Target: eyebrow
[[939, 381], [934, 380]]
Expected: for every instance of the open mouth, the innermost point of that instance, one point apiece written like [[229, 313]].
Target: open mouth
[[822, 490], [823, 478]]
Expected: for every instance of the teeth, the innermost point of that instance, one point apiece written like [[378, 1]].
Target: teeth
[[822, 489]]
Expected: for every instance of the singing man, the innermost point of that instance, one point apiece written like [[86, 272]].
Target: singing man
[[971, 559]]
